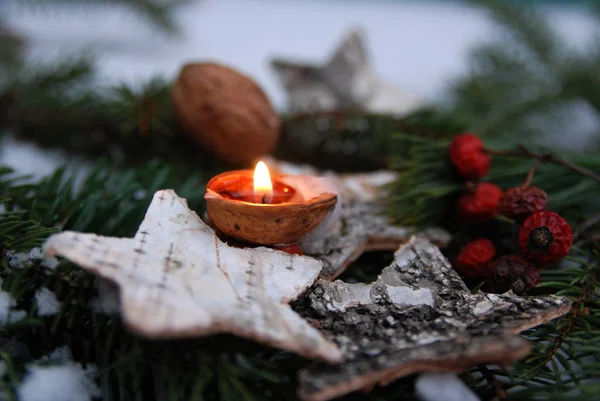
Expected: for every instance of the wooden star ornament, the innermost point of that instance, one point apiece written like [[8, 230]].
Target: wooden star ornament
[[178, 279], [362, 225], [346, 82], [418, 316]]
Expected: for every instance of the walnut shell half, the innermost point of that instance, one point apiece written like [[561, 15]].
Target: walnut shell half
[[264, 224], [226, 112]]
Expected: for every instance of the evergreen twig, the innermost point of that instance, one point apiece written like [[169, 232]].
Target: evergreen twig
[[576, 309], [585, 225], [546, 157], [527, 82], [531, 74], [427, 186]]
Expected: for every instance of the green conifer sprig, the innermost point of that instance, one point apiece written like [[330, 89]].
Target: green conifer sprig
[[564, 362], [427, 187], [110, 201], [530, 76], [520, 82]]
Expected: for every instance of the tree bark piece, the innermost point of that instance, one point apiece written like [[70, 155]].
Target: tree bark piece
[[418, 316], [178, 279], [355, 187], [362, 228]]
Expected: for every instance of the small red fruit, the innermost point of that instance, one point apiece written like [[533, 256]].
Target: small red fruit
[[514, 273], [474, 260], [480, 204], [293, 249], [545, 237], [468, 156], [518, 203]]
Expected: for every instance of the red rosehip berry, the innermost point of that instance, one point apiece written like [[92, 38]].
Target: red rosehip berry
[[474, 260], [545, 237], [468, 156], [511, 272], [518, 203], [480, 204], [293, 249]]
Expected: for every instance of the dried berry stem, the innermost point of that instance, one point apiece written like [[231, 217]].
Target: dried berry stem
[[530, 175], [575, 312], [545, 157], [585, 225]]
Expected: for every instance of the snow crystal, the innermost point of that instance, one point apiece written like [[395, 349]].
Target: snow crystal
[[58, 383], [443, 386], [47, 304], [7, 315]]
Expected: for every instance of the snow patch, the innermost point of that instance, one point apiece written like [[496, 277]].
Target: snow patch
[[58, 383], [65, 382], [47, 304], [50, 262], [35, 253], [20, 260], [7, 314], [443, 386]]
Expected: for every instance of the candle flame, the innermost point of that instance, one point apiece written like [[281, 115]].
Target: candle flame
[[263, 187]]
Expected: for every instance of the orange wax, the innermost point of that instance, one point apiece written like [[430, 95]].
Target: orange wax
[[241, 188]]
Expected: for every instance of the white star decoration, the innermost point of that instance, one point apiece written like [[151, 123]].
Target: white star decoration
[[178, 279], [346, 81]]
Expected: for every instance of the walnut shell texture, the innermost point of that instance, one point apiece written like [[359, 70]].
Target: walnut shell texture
[[226, 112], [284, 223]]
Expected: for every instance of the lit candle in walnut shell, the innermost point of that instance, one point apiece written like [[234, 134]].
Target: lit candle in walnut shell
[[252, 206]]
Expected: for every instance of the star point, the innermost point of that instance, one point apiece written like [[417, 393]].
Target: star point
[[178, 279]]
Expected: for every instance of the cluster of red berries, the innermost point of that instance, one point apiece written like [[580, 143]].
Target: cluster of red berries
[[544, 236]]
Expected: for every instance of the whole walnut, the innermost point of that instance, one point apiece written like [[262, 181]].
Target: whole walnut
[[226, 112]]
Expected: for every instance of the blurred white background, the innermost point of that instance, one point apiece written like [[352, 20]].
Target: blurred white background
[[418, 46]]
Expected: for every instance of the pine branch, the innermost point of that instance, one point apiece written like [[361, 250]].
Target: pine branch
[[356, 141], [520, 83], [427, 187], [546, 157], [57, 108], [588, 286], [565, 358], [111, 202], [526, 26]]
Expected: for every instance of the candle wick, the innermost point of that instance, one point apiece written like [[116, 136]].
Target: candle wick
[[264, 198]]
